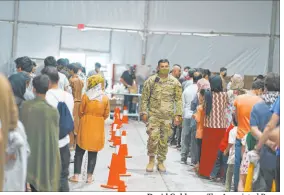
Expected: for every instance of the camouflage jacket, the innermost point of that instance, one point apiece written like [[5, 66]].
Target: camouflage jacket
[[165, 100]]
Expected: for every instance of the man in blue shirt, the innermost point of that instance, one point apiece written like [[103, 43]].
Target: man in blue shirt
[[260, 116], [274, 121]]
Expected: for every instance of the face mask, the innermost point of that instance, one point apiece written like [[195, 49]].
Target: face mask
[[225, 74], [184, 73], [164, 71]]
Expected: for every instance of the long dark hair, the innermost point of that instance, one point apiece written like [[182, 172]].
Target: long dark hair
[[208, 101], [216, 83], [216, 87]]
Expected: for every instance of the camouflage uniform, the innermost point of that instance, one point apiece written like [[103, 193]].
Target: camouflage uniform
[[161, 106]]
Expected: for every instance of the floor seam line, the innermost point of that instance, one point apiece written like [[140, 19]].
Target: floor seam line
[[158, 171]]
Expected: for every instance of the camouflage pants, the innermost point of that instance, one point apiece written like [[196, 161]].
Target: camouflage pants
[[159, 131]]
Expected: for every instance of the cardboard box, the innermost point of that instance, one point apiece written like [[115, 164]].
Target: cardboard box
[[116, 103]]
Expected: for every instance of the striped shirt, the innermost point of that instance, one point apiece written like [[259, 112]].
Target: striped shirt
[[217, 118]]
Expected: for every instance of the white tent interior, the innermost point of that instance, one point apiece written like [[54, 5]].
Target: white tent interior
[[240, 35]]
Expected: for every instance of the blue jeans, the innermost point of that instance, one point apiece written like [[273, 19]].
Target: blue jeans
[[238, 159], [220, 162]]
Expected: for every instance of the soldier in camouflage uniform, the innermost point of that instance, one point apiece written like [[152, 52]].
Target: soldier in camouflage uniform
[[161, 92]]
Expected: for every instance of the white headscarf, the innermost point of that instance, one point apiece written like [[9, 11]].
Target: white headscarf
[[96, 93]]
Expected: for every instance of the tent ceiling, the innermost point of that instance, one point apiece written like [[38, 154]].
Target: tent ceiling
[[39, 34]]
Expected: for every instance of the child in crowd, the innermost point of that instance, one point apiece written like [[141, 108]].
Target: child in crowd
[[244, 165], [231, 158], [199, 118]]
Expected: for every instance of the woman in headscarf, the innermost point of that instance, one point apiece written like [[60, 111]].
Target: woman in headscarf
[[236, 89], [19, 83], [17, 148], [94, 110], [214, 124], [8, 120], [17, 152]]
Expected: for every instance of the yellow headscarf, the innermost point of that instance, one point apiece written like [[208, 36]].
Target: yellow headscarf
[[95, 80]]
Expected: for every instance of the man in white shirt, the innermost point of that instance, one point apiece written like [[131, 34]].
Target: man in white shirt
[[188, 82], [53, 96], [187, 97], [63, 81]]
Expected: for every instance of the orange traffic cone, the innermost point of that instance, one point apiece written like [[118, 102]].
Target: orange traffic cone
[[121, 186], [121, 163], [125, 115], [117, 115], [113, 177], [123, 151], [113, 130], [117, 138], [122, 166]]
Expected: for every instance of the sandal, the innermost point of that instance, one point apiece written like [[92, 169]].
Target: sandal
[[90, 181], [72, 180]]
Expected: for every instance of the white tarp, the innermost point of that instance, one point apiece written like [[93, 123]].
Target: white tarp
[[126, 47], [207, 16], [276, 56], [6, 10], [90, 39], [116, 14], [278, 18], [38, 41], [244, 55], [6, 33]]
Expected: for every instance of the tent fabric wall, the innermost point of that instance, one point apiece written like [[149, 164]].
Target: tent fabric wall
[[91, 39], [38, 31], [115, 14], [6, 10], [276, 56], [126, 47], [6, 32], [37, 41], [278, 19], [207, 16], [244, 55]]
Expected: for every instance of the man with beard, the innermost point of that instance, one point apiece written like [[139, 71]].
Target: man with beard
[[128, 79], [176, 72]]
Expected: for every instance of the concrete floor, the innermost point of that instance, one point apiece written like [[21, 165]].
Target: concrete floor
[[178, 176]]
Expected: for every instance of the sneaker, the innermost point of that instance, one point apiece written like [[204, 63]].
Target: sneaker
[[192, 164], [212, 178], [183, 161]]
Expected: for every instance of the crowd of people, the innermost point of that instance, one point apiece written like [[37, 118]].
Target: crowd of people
[[45, 116], [228, 132], [223, 128]]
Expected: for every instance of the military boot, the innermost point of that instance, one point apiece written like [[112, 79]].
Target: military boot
[[151, 164], [161, 167]]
